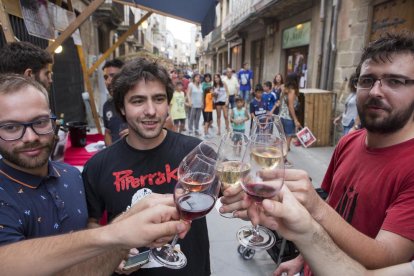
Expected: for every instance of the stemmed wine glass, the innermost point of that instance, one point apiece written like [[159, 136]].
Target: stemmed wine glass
[[230, 168], [205, 148], [270, 123], [265, 153], [195, 194]]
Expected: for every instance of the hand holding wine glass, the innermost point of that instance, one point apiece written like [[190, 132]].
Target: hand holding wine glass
[[195, 195]]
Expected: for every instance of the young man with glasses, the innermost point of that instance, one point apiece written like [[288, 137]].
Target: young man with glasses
[[41, 198], [369, 212]]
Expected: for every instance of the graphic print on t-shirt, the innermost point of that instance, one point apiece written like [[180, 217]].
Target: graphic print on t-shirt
[[347, 204], [124, 180]]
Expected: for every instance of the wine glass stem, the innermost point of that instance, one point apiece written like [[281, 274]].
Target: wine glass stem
[[256, 232], [174, 242]]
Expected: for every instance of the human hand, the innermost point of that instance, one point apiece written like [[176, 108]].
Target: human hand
[[155, 216], [235, 201], [291, 267], [121, 267], [336, 120], [297, 124]]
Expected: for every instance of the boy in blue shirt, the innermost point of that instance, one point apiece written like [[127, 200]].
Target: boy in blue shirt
[[257, 106], [269, 98]]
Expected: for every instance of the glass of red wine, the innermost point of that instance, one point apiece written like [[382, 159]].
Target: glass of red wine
[[195, 194], [230, 168], [265, 156]]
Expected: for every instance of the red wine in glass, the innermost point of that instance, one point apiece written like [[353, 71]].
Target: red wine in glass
[[195, 205], [196, 182], [260, 191]]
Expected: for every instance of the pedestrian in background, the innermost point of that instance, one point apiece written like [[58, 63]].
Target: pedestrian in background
[[278, 85], [232, 85], [195, 100], [239, 116], [245, 77], [269, 97], [177, 107], [288, 105], [221, 95], [349, 118], [207, 110], [257, 105]]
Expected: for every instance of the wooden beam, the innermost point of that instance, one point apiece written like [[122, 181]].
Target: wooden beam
[[89, 88], [87, 80], [5, 24], [74, 25], [121, 40]]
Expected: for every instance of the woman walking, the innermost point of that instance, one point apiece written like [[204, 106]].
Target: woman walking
[[277, 90], [195, 101], [221, 95], [349, 118], [288, 104]]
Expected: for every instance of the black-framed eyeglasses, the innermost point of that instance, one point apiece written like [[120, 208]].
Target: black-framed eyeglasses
[[15, 131], [389, 82]]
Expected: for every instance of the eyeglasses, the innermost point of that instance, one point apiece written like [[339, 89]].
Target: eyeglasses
[[15, 131], [392, 83]]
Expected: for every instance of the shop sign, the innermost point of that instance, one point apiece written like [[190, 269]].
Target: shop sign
[[296, 36]]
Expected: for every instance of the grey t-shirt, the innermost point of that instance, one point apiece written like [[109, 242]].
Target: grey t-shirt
[[196, 95], [351, 111]]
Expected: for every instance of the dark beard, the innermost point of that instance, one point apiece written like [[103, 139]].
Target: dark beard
[[393, 123], [35, 163]]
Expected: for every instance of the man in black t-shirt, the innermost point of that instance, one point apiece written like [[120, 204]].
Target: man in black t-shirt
[[147, 159]]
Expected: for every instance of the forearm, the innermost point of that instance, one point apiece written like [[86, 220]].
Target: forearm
[[104, 264], [323, 256], [47, 256], [356, 244], [108, 138]]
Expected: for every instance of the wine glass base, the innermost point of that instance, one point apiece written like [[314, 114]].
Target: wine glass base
[[218, 206], [246, 238], [169, 257]]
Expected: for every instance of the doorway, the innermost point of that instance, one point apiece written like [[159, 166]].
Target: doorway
[[257, 60], [297, 62]]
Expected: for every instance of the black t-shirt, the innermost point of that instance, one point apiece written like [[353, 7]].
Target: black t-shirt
[[114, 175]]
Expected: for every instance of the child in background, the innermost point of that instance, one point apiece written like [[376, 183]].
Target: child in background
[[257, 106], [177, 108], [239, 116], [269, 97], [207, 110]]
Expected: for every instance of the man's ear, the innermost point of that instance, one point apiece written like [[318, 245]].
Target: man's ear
[[122, 110], [28, 72]]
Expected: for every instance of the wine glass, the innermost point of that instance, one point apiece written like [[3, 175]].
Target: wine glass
[[230, 168], [270, 123], [195, 194], [205, 148], [265, 154]]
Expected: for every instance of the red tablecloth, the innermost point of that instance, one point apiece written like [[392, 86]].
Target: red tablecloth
[[78, 156]]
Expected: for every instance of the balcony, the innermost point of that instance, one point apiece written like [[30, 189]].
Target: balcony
[[216, 35], [110, 14]]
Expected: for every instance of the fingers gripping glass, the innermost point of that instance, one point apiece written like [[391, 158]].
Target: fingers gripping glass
[[389, 82], [15, 131]]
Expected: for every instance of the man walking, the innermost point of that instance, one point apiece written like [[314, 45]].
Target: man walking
[[245, 77], [232, 86]]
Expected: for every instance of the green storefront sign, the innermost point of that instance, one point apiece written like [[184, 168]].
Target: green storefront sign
[[296, 36]]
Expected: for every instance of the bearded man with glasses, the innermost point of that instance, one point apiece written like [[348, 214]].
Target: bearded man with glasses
[[369, 212]]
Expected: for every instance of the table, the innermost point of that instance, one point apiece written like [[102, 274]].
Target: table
[[76, 156]]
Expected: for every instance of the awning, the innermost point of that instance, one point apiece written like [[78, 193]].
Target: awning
[[202, 12]]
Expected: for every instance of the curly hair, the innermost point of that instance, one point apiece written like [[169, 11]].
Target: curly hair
[[117, 63], [382, 49], [137, 70], [16, 57]]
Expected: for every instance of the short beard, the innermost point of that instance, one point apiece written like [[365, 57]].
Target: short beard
[[33, 163], [142, 135], [388, 125]]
